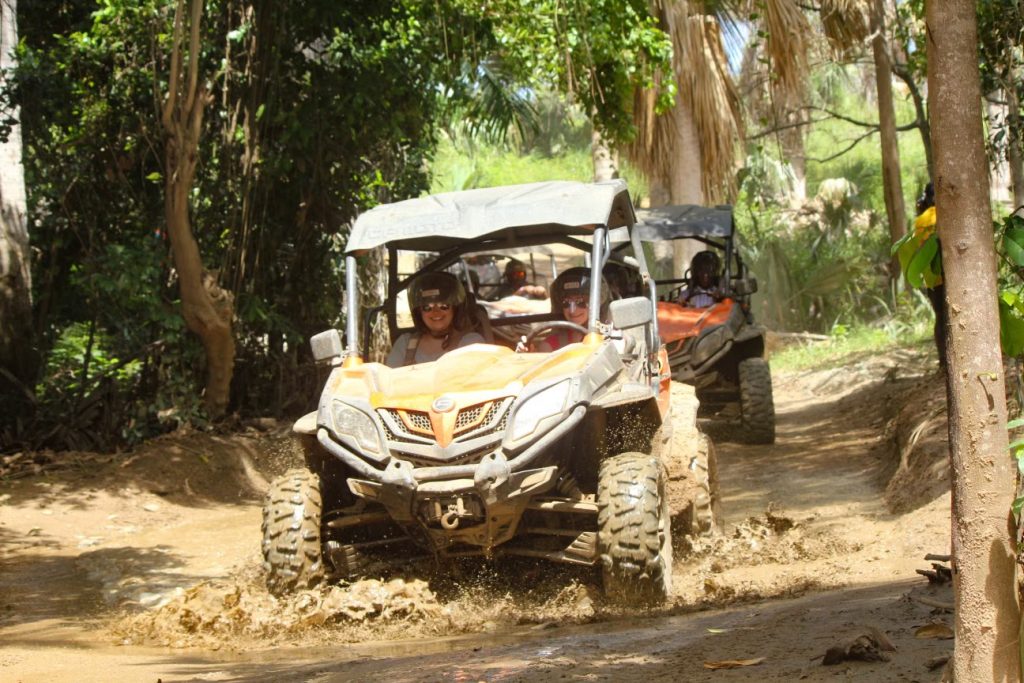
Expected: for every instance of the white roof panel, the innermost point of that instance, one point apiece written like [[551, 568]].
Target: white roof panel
[[440, 221]]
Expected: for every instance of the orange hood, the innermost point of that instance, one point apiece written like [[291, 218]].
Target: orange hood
[[470, 375]]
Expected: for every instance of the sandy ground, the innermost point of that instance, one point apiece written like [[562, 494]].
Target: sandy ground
[[145, 567]]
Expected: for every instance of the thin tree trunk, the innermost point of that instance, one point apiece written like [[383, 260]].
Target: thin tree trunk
[[206, 307], [1014, 159], [17, 355], [372, 290], [685, 183], [891, 182], [987, 613], [606, 165], [923, 126], [792, 140]]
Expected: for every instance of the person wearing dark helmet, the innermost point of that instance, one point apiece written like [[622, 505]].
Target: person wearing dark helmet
[[516, 284], [438, 302], [702, 290], [570, 299]]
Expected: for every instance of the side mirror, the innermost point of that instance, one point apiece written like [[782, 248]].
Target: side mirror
[[744, 286], [632, 312], [326, 346]]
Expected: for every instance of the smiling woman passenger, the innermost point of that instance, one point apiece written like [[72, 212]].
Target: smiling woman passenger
[[570, 299], [442, 322]]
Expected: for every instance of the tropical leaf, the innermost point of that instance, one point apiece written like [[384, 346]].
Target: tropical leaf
[[919, 269], [829, 280], [1011, 329], [1017, 505], [1013, 244], [789, 35]]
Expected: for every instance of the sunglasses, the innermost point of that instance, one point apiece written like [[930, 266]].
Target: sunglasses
[[578, 303], [427, 308]]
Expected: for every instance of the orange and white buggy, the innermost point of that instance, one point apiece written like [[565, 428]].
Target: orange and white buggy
[[490, 450]]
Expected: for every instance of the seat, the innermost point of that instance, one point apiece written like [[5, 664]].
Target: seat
[[481, 321]]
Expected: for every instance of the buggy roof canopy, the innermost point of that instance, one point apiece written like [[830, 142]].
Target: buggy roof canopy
[[441, 221], [684, 220]]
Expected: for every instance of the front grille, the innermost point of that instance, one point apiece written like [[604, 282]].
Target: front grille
[[414, 427], [419, 421], [468, 417]]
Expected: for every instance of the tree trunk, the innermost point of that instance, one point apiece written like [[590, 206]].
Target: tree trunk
[[1014, 159], [685, 182], [372, 290], [206, 307], [606, 165], [987, 612], [891, 182], [17, 356]]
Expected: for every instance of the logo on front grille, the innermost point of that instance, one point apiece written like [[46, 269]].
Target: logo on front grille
[[443, 404]]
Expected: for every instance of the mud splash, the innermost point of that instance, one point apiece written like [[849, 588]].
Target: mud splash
[[216, 613], [241, 613], [479, 598], [750, 563]]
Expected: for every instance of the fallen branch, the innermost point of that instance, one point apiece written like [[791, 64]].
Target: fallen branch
[[937, 604], [806, 336]]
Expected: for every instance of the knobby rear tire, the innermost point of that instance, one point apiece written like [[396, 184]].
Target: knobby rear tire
[[757, 406]]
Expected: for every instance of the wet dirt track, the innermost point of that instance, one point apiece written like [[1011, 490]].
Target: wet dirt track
[[827, 562]]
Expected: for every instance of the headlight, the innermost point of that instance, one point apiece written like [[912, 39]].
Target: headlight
[[545, 403], [356, 425]]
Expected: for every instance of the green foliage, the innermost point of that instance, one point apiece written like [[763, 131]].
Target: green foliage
[[847, 343], [67, 369], [816, 264], [1010, 249], [319, 111], [837, 89]]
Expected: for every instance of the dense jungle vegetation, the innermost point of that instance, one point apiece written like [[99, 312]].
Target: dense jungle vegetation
[[319, 110]]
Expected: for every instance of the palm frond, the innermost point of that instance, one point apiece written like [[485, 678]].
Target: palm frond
[[498, 104], [789, 42], [847, 24], [706, 90]]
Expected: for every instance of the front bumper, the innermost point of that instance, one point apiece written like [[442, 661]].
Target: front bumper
[[477, 505]]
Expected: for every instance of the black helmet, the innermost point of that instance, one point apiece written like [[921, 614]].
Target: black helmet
[[440, 288], [575, 281], [515, 266], [927, 198], [706, 259]]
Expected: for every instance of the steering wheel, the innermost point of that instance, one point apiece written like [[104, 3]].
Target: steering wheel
[[553, 325]]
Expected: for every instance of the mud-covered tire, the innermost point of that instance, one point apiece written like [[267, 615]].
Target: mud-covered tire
[[634, 539], [706, 516], [292, 554], [757, 407]]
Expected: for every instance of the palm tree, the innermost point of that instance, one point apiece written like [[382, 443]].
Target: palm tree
[[689, 155]]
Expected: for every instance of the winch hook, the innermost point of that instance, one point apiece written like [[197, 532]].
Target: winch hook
[[450, 520]]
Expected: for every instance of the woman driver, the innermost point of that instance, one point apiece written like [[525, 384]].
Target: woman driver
[[570, 299], [441, 320]]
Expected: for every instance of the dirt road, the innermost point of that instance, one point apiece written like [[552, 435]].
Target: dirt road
[[145, 567]]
